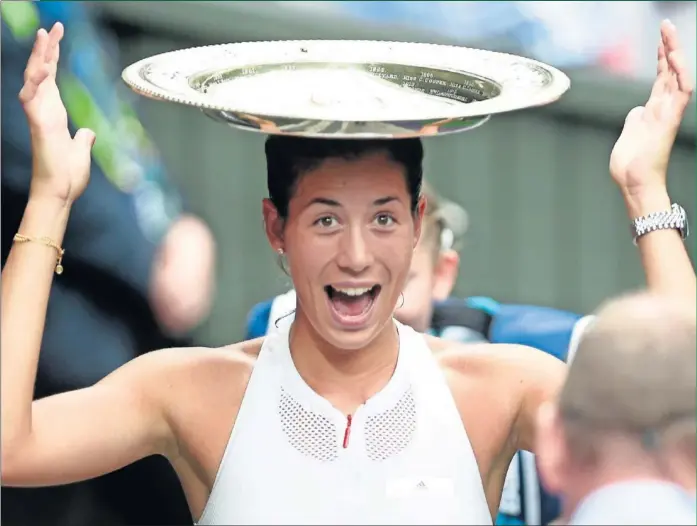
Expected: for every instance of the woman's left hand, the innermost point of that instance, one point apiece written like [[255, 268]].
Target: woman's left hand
[[639, 160]]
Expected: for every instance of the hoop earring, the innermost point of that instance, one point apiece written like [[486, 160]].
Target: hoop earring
[[280, 260], [401, 295]]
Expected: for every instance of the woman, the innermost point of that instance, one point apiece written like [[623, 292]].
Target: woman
[[347, 417], [432, 276]]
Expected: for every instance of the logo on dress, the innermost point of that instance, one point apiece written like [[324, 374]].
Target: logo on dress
[[405, 487]]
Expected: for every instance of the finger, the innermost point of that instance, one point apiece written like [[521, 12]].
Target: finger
[[683, 77], [669, 40], [662, 80], [669, 34], [635, 115], [38, 52], [54, 38], [632, 122], [85, 138], [672, 45], [32, 83], [662, 66]]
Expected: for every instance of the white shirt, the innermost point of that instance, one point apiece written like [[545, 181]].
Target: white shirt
[[407, 459], [641, 502]]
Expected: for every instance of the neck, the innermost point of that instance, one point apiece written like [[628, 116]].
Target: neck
[[347, 378]]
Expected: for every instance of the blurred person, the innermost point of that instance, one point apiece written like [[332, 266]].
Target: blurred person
[[620, 443], [369, 420], [141, 268]]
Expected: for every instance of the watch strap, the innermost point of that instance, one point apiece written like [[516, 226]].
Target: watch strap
[[674, 219]]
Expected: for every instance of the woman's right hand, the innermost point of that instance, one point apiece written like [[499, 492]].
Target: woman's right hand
[[61, 164]]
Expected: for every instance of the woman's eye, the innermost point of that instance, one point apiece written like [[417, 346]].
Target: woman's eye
[[326, 222], [384, 220]]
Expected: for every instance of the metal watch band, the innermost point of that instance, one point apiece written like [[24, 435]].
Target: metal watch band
[[675, 219]]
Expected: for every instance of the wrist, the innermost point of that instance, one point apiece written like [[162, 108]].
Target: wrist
[[49, 203], [48, 194], [45, 216], [642, 203]]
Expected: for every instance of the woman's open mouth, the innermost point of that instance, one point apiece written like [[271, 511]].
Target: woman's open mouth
[[351, 306]]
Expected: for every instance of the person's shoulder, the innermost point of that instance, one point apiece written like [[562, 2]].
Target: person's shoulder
[[490, 358], [452, 352], [248, 348], [180, 380], [193, 367], [240, 353], [191, 388]]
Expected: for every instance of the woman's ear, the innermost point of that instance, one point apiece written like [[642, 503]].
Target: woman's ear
[[418, 219], [273, 225]]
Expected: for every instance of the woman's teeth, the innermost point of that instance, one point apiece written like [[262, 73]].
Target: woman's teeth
[[353, 291]]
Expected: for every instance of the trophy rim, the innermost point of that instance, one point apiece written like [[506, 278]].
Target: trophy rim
[[494, 68]]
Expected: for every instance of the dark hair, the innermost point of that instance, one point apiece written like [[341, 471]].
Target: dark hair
[[287, 158]]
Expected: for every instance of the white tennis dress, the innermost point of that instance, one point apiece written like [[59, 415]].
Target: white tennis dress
[[403, 458]]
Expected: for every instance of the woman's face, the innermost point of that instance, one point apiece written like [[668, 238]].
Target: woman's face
[[348, 239]]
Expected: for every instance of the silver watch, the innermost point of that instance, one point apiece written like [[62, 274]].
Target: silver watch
[[675, 218]]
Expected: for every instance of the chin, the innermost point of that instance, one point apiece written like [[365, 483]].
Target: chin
[[355, 340]]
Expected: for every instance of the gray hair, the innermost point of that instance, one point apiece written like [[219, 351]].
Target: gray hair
[[635, 372]]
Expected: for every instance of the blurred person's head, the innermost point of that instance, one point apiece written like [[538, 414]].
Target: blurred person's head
[[347, 215], [627, 409], [435, 265]]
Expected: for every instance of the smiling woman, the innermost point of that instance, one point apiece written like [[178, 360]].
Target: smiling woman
[[346, 213]]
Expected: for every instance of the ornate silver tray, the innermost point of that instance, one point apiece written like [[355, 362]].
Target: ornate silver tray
[[347, 88]]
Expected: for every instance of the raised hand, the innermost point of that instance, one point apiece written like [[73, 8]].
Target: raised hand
[[639, 160], [61, 164]]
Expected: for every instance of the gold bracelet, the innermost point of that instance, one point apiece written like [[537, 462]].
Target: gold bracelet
[[19, 238]]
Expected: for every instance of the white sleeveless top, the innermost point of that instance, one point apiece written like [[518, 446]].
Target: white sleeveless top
[[405, 460]]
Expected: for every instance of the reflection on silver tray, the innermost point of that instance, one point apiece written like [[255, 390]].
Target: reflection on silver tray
[[347, 88]]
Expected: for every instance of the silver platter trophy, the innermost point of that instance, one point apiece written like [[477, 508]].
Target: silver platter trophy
[[347, 88]]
